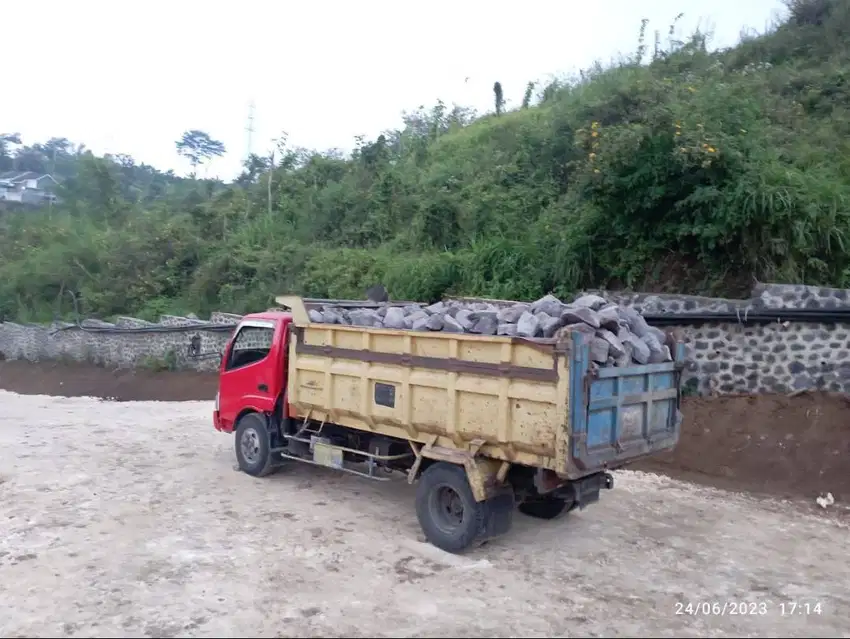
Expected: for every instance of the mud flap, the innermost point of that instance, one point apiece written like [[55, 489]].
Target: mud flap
[[498, 515], [585, 491]]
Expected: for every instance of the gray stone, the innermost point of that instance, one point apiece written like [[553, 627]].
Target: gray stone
[[421, 323], [599, 349], [590, 301], [437, 307], [506, 329], [528, 325], [616, 348], [640, 351], [575, 314], [395, 318], [435, 323], [332, 317], [377, 293], [581, 327], [486, 325], [364, 317], [411, 308], [451, 325], [656, 351], [660, 335], [549, 325], [511, 314], [609, 317], [477, 315], [626, 359], [411, 319], [549, 304], [315, 316], [463, 318], [634, 320]]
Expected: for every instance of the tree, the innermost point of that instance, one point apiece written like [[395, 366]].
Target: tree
[[499, 97], [526, 98], [198, 147], [6, 140]]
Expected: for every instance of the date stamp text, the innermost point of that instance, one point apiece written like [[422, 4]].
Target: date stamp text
[[733, 608]]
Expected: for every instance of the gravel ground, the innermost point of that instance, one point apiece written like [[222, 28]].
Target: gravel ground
[[129, 520]]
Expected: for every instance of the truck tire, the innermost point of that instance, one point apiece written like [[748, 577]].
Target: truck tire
[[449, 515], [543, 507], [253, 445]]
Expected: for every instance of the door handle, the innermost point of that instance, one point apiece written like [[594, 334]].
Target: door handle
[[263, 388]]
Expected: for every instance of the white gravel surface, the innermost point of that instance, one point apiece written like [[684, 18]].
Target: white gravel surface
[[129, 520]]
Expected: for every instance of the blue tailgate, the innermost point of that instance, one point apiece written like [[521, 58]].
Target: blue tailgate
[[620, 414]]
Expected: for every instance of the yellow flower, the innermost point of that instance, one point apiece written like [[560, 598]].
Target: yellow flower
[[596, 170], [678, 125], [592, 156], [594, 125], [678, 133], [683, 149], [711, 149], [692, 90], [594, 134]]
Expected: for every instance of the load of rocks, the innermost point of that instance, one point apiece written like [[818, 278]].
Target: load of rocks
[[618, 335]]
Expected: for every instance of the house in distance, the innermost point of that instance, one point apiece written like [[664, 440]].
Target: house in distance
[[27, 188]]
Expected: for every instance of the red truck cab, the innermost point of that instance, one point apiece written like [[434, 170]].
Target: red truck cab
[[253, 371]]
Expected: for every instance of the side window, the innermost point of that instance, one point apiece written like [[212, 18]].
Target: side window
[[251, 344]]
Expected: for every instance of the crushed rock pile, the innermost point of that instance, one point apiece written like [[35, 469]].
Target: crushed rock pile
[[618, 335]]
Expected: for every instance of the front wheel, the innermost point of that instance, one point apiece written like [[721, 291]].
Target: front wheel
[[253, 445]]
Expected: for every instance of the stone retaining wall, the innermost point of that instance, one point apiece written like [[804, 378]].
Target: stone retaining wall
[[723, 357]]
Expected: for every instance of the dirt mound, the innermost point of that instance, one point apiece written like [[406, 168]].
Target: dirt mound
[[773, 444], [76, 380]]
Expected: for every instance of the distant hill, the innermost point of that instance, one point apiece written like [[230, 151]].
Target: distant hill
[[679, 169]]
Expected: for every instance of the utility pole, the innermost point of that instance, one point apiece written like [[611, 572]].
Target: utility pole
[[250, 128]]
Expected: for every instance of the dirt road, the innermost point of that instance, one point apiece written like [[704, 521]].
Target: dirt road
[[128, 519]]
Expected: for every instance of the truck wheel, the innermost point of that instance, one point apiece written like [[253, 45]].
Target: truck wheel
[[253, 447], [449, 515], [543, 507]]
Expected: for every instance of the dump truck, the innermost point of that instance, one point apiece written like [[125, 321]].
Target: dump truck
[[483, 425]]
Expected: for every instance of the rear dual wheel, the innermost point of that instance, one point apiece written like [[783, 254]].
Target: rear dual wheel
[[449, 515], [544, 507]]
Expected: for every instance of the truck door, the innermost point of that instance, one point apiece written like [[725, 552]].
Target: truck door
[[251, 374]]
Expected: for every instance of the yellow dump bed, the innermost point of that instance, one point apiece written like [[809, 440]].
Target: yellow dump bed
[[534, 402]]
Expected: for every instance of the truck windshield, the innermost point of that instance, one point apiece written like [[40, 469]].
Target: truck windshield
[[251, 344]]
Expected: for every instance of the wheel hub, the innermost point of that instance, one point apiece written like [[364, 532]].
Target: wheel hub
[[250, 444], [448, 508]]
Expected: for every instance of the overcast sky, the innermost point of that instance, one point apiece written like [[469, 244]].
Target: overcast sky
[[130, 76]]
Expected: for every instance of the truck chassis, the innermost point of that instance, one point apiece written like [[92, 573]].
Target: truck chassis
[[452, 516]]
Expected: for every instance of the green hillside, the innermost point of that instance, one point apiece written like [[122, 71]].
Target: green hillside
[[679, 170]]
